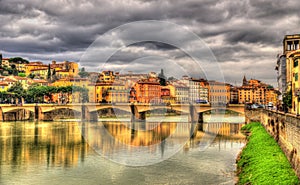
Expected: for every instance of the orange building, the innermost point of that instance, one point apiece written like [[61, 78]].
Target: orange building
[[146, 91], [254, 91]]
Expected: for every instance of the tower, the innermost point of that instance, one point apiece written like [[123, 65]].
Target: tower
[[0, 59], [245, 82]]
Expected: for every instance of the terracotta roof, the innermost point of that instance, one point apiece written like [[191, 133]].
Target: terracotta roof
[[3, 84], [9, 80], [62, 70], [39, 69], [39, 81], [20, 78]]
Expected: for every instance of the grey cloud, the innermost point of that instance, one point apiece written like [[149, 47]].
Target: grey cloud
[[53, 29]]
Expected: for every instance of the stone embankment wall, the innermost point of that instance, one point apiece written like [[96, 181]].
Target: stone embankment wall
[[285, 128]]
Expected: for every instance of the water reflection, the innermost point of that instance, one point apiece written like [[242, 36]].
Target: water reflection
[[39, 149], [53, 144]]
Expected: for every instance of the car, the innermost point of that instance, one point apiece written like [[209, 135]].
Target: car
[[270, 105], [201, 102]]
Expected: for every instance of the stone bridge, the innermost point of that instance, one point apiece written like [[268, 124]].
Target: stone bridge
[[89, 111]]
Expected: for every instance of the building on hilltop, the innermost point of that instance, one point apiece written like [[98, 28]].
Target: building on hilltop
[[63, 69]]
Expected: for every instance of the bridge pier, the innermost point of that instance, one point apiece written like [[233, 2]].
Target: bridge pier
[[200, 121], [136, 115], [1, 114], [36, 112], [195, 117]]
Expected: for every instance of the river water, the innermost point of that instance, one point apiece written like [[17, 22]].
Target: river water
[[119, 152]]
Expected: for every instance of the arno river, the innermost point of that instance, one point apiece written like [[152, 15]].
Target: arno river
[[169, 151]]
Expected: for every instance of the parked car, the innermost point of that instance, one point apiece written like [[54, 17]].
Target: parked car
[[270, 105]]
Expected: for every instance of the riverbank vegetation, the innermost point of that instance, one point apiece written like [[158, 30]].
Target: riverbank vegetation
[[262, 161]]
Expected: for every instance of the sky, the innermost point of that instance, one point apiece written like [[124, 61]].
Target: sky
[[211, 39]]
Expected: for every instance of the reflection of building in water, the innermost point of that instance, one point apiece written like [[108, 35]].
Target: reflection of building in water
[[216, 132], [224, 129], [137, 134], [111, 138], [55, 144]]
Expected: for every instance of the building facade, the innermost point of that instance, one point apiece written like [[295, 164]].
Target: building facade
[[254, 91], [219, 93], [146, 91], [291, 52], [281, 76]]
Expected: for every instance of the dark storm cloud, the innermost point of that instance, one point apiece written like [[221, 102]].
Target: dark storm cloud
[[235, 31]]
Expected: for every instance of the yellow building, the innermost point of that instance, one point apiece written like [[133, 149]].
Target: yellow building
[[111, 92], [82, 82], [168, 94], [291, 50], [34, 65], [63, 73], [41, 73], [63, 69], [3, 86], [293, 58], [73, 97], [23, 80], [219, 92], [92, 92], [107, 76], [20, 67], [5, 62]]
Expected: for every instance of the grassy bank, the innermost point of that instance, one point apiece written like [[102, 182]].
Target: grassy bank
[[262, 160]]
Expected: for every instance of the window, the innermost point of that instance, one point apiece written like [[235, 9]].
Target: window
[[296, 63], [296, 76]]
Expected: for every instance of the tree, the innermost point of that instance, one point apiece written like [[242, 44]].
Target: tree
[[22, 74], [172, 78], [18, 60], [49, 72], [31, 75], [287, 98], [54, 72], [17, 90], [54, 77], [83, 73]]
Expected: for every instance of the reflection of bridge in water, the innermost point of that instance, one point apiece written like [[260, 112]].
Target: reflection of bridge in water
[[90, 111], [62, 144], [110, 137]]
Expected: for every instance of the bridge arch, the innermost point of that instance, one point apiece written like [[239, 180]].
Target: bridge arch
[[60, 113], [16, 113]]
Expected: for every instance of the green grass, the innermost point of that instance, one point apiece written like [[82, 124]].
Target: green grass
[[262, 161]]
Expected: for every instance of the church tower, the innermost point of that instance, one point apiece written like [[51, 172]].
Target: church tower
[[245, 82]]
